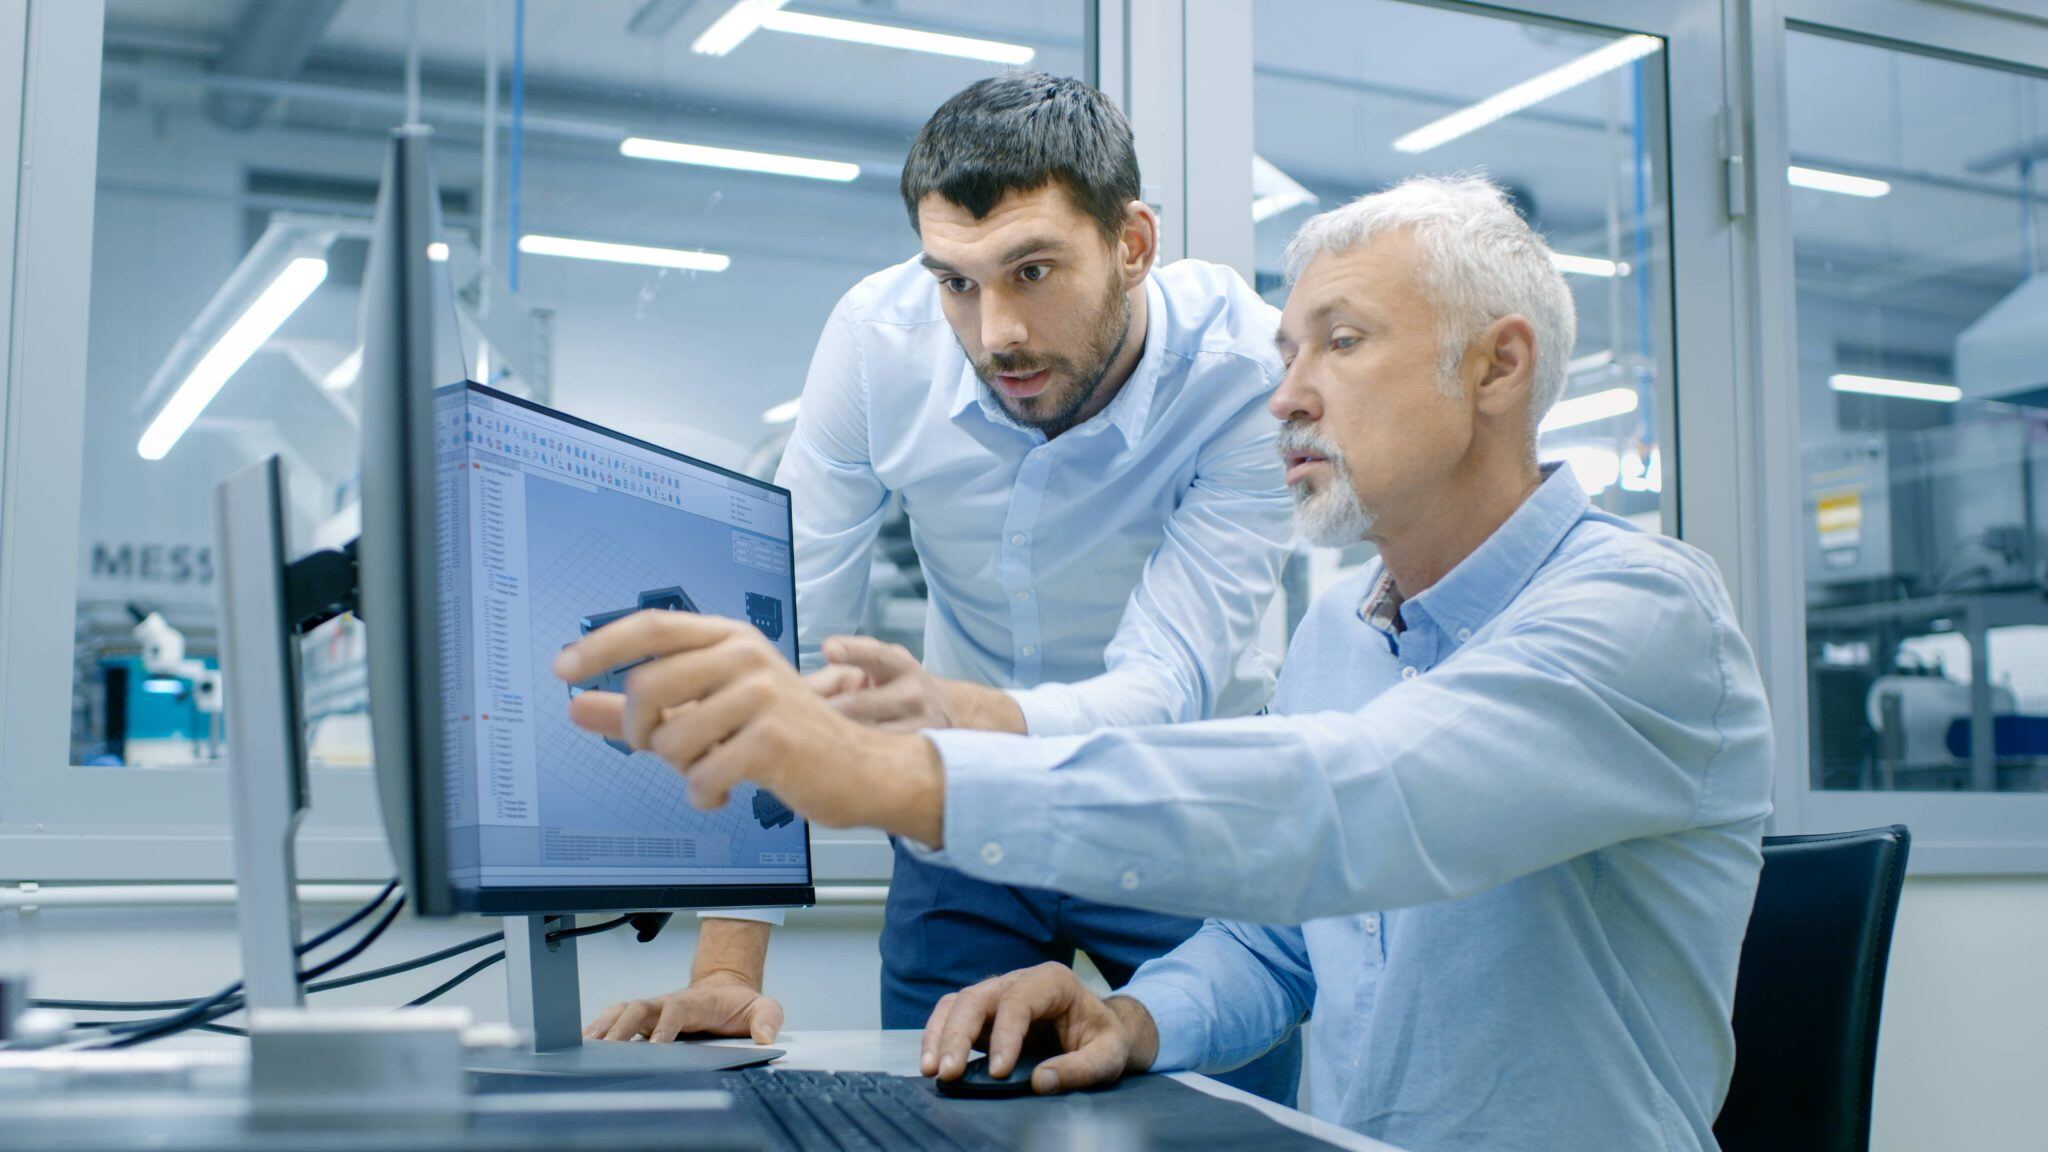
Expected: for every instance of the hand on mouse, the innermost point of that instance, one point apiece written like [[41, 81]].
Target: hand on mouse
[[1100, 1040]]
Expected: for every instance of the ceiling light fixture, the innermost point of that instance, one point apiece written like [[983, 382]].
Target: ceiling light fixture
[[731, 30], [1274, 191], [343, 374], [271, 308], [894, 36], [782, 413], [1587, 266], [537, 245], [1532, 91], [1896, 389], [1586, 409], [674, 152], [1822, 180]]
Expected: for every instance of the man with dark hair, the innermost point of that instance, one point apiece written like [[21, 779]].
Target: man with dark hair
[[1080, 443]]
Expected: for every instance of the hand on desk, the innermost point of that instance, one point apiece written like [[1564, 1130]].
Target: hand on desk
[[719, 1004], [720, 703], [1100, 1040]]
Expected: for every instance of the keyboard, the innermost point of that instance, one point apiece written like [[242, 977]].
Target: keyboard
[[850, 1111]]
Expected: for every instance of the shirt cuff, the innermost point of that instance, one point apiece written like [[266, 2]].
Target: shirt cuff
[[1182, 1025], [1051, 710], [774, 916], [999, 801]]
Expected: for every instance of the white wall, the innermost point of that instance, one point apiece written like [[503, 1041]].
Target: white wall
[[1963, 1058]]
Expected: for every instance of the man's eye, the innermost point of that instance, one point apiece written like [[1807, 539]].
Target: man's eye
[[1033, 273], [1340, 343], [958, 284]]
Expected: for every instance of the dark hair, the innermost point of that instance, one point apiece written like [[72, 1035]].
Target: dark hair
[[1018, 132]]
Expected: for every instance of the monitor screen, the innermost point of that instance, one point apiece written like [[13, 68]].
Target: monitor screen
[[548, 528]]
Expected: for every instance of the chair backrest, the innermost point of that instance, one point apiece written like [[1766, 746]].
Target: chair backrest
[[1809, 989]]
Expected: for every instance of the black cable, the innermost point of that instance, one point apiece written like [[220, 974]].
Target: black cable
[[356, 949], [588, 930], [354, 919], [456, 979], [317, 986], [180, 1021], [224, 1029]]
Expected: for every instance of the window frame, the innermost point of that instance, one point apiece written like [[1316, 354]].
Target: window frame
[[1953, 833]]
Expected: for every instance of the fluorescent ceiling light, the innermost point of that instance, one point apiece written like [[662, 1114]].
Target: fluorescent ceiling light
[[1897, 389], [624, 253], [1587, 363], [1586, 409], [893, 36], [1274, 191], [732, 29], [1587, 265], [438, 252], [343, 374], [1822, 180], [782, 413], [641, 148], [249, 332], [1532, 91]]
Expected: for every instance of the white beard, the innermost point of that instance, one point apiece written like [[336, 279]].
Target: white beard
[[1332, 518]]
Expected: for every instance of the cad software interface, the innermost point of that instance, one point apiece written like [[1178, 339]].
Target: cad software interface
[[548, 530]]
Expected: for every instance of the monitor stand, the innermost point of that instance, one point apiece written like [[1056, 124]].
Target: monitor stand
[[547, 1006]]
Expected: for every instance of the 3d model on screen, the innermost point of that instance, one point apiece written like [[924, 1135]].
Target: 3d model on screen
[[766, 614], [770, 812]]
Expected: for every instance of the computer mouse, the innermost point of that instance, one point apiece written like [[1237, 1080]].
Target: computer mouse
[[976, 1083]]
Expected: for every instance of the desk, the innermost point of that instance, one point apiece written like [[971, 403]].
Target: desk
[[896, 1053]]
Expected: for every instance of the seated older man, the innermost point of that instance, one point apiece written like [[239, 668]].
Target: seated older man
[[1500, 838]]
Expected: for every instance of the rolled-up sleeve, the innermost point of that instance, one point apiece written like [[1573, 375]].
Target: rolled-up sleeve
[[1599, 715], [1197, 607]]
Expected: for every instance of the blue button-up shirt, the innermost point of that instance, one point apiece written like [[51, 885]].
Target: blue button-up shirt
[[1506, 832], [1115, 574]]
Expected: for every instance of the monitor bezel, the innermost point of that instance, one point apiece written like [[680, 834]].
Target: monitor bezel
[[550, 899]]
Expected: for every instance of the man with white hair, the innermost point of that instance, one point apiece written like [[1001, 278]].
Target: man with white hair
[[1500, 837]]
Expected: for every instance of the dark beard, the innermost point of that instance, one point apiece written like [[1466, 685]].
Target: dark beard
[[1112, 331]]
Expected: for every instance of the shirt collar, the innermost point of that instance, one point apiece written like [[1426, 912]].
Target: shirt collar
[[1481, 584], [1127, 412]]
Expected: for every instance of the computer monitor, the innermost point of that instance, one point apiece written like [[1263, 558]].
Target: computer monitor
[[495, 531]]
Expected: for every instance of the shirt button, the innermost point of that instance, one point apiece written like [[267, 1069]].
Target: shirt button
[[1024, 595], [1031, 649], [992, 853], [1129, 881], [1407, 671], [1017, 538], [1464, 634], [1372, 925]]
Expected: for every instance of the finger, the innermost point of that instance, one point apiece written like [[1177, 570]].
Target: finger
[[746, 754], [900, 700], [631, 1022], [1099, 1061], [603, 1023], [934, 1027], [965, 1025], [693, 1010], [654, 632], [601, 712], [882, 661], [1023, 1004], [657, 686], [691, 737], [764, 1019], [836, 680]]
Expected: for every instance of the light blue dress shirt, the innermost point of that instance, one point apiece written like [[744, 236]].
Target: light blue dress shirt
[[1115, 574], [1519, 837]]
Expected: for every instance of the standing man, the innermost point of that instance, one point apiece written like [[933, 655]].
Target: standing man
[[1081, 445]]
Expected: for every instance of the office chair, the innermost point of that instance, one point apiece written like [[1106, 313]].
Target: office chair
[[1809, 989]]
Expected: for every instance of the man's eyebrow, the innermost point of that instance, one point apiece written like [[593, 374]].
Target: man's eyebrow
[[1315, 320], [1031, 248], [933, 263]]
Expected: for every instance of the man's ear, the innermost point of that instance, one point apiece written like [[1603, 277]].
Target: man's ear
[[1508, 349], [1138, 243]]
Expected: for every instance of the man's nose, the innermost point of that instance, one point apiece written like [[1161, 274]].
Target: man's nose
[[1002, 327], [1293, 400]]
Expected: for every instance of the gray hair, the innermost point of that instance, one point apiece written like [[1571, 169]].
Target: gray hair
[[1482, 262]]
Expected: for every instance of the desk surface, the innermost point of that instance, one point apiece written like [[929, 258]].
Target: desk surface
[[896, 1053]]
